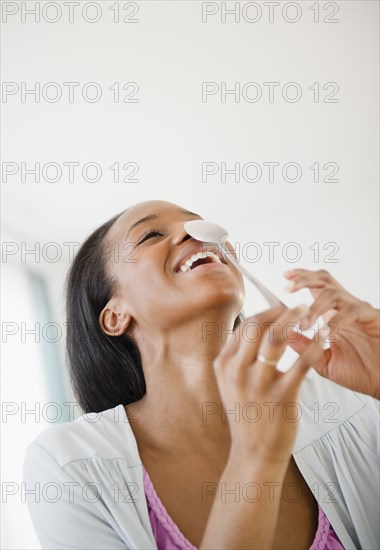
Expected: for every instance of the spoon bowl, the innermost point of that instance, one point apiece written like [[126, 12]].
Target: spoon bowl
[[209, 232]]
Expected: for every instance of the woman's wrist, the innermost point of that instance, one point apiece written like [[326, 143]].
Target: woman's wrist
[[257, 461], [245, 509]]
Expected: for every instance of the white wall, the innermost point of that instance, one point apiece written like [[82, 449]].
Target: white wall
[[170, 132]]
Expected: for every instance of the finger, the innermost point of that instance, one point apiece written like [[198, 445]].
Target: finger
[[311, 356], [269, 331], [243, 330], [330, 299], [291, 273], [227, 362], [311, 279], [330, 330], [296, 272], [274, 342], [302, 342], [299, 342]]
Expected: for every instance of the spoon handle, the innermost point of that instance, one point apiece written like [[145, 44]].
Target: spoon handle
[[272, 300]]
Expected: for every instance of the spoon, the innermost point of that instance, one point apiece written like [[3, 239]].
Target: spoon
[[210, 232]]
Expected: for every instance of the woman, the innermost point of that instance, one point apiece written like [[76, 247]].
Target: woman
[[199, 441]]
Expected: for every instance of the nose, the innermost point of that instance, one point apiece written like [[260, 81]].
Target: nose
[[179, 234]]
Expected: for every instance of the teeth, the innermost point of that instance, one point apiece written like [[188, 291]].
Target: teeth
[[187, 265]]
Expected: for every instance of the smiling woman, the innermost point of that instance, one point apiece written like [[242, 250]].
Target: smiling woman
[[212, 420], [104, 359]]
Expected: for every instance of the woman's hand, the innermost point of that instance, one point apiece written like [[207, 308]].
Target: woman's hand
[[264, 426], [353, 329]]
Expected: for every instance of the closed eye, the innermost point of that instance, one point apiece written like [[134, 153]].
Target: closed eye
[[148, 234]]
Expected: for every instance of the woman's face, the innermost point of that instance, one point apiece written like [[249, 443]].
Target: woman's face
[[151, 288]]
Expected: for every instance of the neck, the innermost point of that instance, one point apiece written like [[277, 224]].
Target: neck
[[182, 404]]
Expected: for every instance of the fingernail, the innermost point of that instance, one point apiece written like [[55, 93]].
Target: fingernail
[[288, 272], [289, 287], [304, 322]]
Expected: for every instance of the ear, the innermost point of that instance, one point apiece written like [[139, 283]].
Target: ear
[[112, 321]]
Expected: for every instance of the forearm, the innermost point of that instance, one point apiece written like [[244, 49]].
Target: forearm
[[247, 520]]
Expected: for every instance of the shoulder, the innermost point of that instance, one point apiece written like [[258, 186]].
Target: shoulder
[[83, 485], [106, 434]]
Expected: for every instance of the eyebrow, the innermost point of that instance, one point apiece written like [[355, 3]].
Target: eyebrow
[[154, 217]]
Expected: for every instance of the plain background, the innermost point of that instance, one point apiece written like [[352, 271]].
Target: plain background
[[169, 133]]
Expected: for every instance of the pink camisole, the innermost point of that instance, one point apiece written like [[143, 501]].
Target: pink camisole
[[169, 537]]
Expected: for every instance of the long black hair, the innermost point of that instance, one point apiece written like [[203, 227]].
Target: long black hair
[[104, 371]]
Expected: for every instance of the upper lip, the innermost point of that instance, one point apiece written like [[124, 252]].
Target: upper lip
[[193, 249]]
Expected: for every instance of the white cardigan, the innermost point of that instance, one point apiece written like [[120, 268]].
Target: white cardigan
[[87, 474]]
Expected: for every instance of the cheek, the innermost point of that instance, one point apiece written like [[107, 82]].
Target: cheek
[[143, 276]]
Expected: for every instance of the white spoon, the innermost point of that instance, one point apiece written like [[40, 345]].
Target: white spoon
[[209, 232]]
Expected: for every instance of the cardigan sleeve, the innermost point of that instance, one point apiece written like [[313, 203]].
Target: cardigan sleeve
[[66, 513], [337, 451]]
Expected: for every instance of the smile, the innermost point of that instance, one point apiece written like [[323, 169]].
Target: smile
[[198, 259]]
